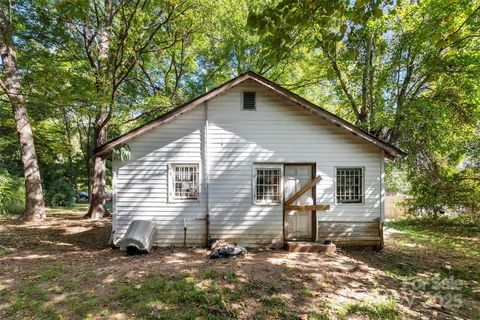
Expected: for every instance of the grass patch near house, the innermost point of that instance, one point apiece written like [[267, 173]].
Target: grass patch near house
[[386, 310], [444, 247], [174, 297], [63, 269]]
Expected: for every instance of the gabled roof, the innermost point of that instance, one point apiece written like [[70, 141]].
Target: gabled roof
[[390, 150]]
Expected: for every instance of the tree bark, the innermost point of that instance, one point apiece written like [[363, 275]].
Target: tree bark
[[34, 204], [68, 133], [350, 98], [97, 201]]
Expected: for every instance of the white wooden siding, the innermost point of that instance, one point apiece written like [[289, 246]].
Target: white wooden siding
[[277, 132], [141, 184]]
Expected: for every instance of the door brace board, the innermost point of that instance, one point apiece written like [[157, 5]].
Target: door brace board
[[304, 189], [318, 207]]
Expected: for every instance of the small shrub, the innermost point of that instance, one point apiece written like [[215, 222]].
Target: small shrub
[[60, 194], [440, 189], [12, 193], [57, 186]]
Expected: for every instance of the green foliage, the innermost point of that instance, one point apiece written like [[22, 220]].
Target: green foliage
[[443, 190], [12, 193], [57, 186], [408, 73], [122, 153], [405, 71]]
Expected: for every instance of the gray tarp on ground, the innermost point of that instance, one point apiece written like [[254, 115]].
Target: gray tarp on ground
[[140, 236], [222, 249]]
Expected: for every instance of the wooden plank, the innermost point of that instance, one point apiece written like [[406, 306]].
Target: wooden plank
[[347, 234], [318, 207], [304, 189], [376, 220], [354, 242]]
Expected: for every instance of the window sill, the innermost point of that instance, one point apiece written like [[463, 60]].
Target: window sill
[[349, 204], [183, 200], [267, 204]]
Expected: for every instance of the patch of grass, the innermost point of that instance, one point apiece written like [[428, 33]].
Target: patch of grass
[[320, 312], [441, 231], [254, 284], [274, 301], [49, 274], [423, 249], [229, 276], [85, 303], [173, 297], [385, 310], [33, 299], [306, 292], [444, 239], [276, 306], [272, 288], [318, 316]]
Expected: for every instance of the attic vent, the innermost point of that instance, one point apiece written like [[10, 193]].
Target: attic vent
[[249, 100]]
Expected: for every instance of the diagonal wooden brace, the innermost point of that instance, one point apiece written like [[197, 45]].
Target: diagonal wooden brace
[[304, 189]]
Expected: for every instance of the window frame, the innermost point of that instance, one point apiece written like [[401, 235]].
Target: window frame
[[243, 99], [171, 182], [363, 194], [275, 166]]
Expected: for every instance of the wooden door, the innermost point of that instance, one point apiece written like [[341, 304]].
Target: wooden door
[[298, 224]]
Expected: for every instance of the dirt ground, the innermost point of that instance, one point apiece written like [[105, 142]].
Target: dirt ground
[[63, 269]]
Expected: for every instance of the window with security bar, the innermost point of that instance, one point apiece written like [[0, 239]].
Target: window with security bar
[[349, 185], [267, 185], [185, 180]]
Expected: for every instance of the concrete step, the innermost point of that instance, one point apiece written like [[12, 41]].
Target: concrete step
[[295, 246]]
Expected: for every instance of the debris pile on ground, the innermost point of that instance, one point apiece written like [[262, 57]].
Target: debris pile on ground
[[222, 249]]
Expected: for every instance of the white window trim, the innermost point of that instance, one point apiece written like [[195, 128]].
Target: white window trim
[[256, 166], [171, 180], [242, 97], [335, 186]]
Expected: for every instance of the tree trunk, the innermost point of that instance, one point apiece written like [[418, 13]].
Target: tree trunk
[[34, 204], [68, 133], [97, 199]]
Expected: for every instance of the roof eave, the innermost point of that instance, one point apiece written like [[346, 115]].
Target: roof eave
[[391, 151]]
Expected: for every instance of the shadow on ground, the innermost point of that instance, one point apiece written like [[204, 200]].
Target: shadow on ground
[[63, 268]]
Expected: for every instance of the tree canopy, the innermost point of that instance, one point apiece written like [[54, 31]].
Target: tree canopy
[[406, 71]]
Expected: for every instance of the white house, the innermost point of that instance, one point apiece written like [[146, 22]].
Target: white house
[[226, 165]]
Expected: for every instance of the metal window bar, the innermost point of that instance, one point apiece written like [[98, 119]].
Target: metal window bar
[[186, 181], [267, 188], [349, 185]]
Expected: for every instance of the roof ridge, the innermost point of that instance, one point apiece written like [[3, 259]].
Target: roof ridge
[[249, 74]]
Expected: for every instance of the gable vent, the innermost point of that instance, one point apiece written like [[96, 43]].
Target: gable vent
[[249, 100]]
